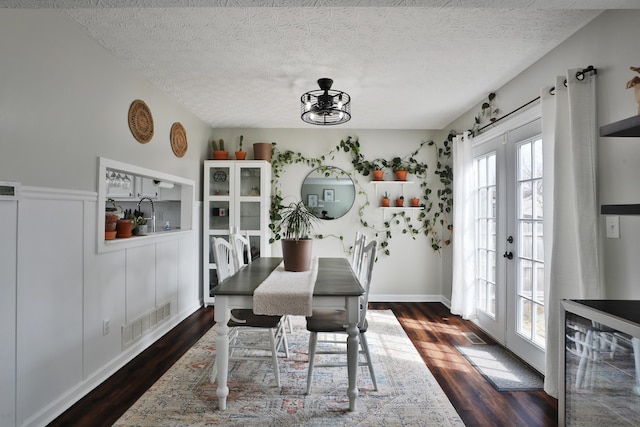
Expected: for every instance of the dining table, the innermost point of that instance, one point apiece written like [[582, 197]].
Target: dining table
[[336, 287]]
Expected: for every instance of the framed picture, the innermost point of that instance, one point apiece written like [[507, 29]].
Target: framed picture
[[328, 195], [312, 200]]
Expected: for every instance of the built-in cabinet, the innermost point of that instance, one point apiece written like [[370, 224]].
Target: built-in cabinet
[[236, 196]]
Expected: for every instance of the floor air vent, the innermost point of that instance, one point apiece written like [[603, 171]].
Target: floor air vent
[[133, 331], [473, 338]]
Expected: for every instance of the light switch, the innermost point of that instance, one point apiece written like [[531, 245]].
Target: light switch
[[613, 227]]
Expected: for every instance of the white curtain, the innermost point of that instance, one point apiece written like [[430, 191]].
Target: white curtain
[[572, 246], [463, 289]]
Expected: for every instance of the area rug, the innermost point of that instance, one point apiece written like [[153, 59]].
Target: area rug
[[408, 394], [503, 370]]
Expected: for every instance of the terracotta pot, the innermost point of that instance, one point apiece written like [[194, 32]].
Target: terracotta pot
[[110, 221], [401, 175], [378, 175], [220, 155], [399, 202], [297, 254], [262, 151], [110, 235], [124, 228], [415, 202], [241, 155], [385, 202]]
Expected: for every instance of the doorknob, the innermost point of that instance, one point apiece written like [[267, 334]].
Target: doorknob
[[510, 239], [508, 255]]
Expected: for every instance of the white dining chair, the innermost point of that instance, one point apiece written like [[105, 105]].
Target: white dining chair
[[244, 319], [356, 254], [332, 322], [242, 246]]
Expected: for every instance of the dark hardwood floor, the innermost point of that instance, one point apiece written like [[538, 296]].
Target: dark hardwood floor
[[432, 329]]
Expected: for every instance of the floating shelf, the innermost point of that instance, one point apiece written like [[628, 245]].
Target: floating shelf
[[620, 209], [629, 127]]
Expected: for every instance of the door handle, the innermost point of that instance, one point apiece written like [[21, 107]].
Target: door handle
[[508, 255]]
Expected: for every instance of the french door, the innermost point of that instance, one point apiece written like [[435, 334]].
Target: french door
[[509, 244]]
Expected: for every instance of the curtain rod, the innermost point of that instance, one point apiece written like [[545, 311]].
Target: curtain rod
[[579, 75]]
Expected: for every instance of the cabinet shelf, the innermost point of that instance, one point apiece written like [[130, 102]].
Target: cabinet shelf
[[629, 127]]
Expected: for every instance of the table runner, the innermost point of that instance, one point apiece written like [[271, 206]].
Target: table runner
[[286, 292]]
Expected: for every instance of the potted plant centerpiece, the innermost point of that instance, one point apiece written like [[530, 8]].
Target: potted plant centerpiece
[[296, 223]]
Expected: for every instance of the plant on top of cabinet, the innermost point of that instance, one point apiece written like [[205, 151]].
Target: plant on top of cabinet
[[240, 154], [219, 153]]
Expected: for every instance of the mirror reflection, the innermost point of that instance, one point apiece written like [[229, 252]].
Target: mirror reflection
[[328, 192]]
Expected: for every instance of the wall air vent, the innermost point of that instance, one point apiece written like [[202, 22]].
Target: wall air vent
[[135, 330], [9, 190]]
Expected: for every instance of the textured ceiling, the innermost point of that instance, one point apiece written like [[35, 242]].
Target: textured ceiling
[[407, 64]]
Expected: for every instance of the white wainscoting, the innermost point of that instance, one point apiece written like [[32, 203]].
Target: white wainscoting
[[8, 242], [57, 292]]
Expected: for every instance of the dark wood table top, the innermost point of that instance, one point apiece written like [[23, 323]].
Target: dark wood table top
[[335, 278]]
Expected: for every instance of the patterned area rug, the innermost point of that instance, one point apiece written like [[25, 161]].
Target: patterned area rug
[[504, 371], [408, 394]]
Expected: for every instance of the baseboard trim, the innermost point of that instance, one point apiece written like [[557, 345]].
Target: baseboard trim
[[409, 298]]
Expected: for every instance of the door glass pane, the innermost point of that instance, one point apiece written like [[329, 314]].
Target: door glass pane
[[530, 271], [525, 318], [485, 206], [524, 166]]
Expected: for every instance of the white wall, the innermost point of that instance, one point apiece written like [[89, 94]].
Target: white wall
[[610, 43], [413, 271], [64, 103]]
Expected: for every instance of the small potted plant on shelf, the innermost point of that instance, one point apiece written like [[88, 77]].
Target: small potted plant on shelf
[[125, 226], [240, 154], [111, 217], [385, 200], [400, 201], [377, 172], [141, 227], [219, 153], [297, 222], [415, 202], [399, 168]]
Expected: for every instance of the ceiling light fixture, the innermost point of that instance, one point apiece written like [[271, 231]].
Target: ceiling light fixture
[[325, 106]]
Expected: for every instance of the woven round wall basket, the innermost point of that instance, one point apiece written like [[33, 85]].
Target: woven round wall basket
[[140, 121], [178, 139]]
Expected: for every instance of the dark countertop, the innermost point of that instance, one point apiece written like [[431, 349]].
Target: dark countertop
[[625, 309]]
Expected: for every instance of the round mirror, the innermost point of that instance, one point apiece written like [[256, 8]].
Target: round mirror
[[328, 192]]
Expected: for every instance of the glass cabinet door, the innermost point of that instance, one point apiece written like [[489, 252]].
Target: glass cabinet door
[[219, 181], [249, 181]]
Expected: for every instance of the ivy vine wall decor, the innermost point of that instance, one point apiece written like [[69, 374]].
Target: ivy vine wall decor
[[432, 222]]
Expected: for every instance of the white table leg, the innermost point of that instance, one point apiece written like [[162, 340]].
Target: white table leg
[[221, 316], [353, 346]]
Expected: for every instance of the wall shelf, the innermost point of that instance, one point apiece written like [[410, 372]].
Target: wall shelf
[[620, 209], [629, 127]]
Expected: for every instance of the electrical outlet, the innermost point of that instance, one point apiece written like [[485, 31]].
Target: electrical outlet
[[106, 327], [613, 227]]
